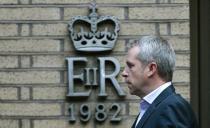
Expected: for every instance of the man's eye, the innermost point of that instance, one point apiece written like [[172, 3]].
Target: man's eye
[[130, 65]]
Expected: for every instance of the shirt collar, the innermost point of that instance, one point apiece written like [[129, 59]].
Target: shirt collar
[[155, 93]]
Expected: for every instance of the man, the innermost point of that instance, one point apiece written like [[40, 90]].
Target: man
[[150, 63]]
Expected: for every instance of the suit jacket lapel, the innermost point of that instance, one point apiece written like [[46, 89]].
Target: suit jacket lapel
[[146, 115], [168, 91]]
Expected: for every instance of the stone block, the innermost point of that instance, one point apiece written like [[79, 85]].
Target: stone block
[[8, 1], [125, 123], [60, 123], [182, 60], [29, 77], [180, 1], [162, 1], [8, 93], [163, 29], [8, 29], [120, 46], [55, 93], [25, 93], [8, 61], [9, 123], [24, 1], [159, 12], [48, 61], [134, 108], [25, 30], [26, 123], [29, 13], [125, 1], [181, 76], [182, 28], [179, 44], [68, 45], [30, 109], [112, 11], [30, 45], [49, 29], [25, 61], [137, 28], [61, 1], [69, 13]]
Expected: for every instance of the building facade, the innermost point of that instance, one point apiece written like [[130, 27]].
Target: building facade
[[34, 45]]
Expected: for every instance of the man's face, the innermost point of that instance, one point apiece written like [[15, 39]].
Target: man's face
[[134, 72]]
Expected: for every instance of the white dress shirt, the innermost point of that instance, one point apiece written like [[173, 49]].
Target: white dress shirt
[[149, 98]]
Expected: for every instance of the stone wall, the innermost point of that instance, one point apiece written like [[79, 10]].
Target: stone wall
[[34, 42]]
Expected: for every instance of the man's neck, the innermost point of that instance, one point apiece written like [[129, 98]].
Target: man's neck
[[151, 87]]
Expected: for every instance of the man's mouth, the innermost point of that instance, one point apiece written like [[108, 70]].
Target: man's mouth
[[127, 82]]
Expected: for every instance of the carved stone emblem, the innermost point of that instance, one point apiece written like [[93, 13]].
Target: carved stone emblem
[[94, 33]]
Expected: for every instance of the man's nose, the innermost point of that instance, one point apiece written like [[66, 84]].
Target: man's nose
[[124, 73]]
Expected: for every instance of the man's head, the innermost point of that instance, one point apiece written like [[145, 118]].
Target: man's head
[[149, 62]]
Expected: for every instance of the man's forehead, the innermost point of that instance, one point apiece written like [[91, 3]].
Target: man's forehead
[[133, 51], [132, 54]]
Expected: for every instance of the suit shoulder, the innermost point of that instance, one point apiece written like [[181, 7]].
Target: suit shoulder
[[176, 99], [177, 105]]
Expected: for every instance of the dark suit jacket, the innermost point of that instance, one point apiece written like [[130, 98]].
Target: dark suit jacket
[[169, 110]]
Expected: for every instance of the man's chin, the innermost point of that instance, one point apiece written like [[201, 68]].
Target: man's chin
[[131, 92]]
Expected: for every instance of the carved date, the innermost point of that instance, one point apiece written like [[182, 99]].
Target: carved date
[[100, 113]]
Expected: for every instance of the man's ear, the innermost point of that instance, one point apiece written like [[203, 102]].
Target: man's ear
[[152, 69]]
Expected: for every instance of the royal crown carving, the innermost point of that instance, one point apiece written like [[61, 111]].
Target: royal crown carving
[[94, 33]]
